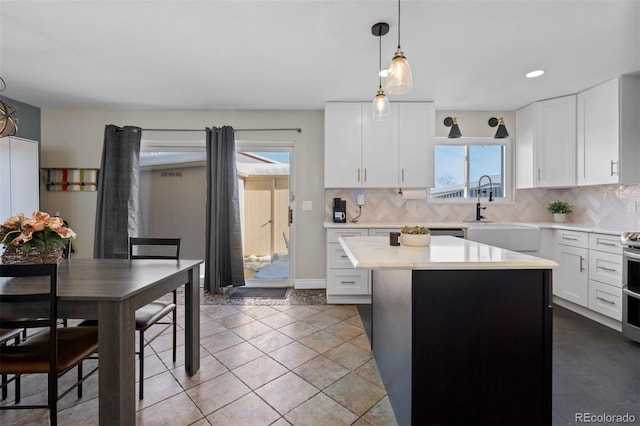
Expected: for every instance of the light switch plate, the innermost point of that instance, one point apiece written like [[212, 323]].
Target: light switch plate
[[307, 205]]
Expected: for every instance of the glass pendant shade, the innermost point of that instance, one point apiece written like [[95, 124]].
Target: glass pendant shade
[[399, 78], [381, 108]]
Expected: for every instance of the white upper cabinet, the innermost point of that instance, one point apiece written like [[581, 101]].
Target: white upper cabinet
[[363, 152], [379, 149], [546, 144], [343, 145], [608, 141], [19, 181], [416, 132]]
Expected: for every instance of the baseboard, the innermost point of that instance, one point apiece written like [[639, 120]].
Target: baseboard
[[588, 313], [309, 284]]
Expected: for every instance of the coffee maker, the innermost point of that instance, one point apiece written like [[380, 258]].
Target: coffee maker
[[339, 210]]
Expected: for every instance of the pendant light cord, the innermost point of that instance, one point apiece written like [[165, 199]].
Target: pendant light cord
[[380, 58], [398, 24]]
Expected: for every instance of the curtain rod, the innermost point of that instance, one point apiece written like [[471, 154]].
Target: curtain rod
[[297, 129]]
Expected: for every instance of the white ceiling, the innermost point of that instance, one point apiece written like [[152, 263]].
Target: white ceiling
[[238, 54]]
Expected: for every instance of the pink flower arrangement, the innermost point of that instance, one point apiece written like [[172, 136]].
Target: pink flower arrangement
[[40, 231]]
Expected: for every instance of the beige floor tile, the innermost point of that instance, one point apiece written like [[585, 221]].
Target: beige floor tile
[[286, 392], [361, 341], [321, 320], [233, 321], [220, 341], [218, 311], [248, 410], [298, 329], [271, 341], [216, 393], [278, 320], [300, 311], [259, 312], [355, 393], [321, 341], [349, 356], [293, 355], [165, 341], [369, 371], [211, 327], [259, 371], [157, 388], [238, 355], [344, 330], [343, 311], [178, 409], [321, 371], [210, 367], [320, 410], [281, 422], [252, 329], [381, 414], [85, 414]]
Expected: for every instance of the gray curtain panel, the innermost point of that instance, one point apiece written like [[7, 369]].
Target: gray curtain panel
[[117, 208], [223, 255]]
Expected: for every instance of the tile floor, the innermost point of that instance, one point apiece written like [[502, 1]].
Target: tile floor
[[275, 363]]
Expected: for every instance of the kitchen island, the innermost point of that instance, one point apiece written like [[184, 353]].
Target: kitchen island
[[461, 331]]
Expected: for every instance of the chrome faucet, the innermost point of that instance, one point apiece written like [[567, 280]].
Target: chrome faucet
[[479, 207]]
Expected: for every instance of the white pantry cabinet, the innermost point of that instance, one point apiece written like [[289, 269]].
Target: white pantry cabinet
[[608, 117], [363, 152], [19, 181], [546, 144]]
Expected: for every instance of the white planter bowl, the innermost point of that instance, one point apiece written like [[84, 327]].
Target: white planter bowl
[[415, 240], [560, 217]]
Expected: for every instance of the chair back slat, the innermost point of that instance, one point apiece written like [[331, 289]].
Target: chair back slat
[[154, 248]]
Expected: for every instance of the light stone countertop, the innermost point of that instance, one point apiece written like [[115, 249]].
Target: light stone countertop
[[443, 253]]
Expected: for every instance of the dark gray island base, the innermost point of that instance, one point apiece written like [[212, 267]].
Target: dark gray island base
[[464, 346]]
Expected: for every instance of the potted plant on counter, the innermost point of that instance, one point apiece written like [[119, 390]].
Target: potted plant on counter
[[560, 210], [416, 236]]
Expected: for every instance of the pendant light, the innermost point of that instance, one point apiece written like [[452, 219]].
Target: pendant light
[[8, 120], [399, 79], [381, 108]]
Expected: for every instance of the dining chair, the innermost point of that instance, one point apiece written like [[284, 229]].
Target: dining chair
[[154, 312], [54, 351], [6, 335]]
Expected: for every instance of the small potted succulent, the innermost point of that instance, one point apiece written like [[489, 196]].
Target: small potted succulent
[[416, 236], [560, 210]]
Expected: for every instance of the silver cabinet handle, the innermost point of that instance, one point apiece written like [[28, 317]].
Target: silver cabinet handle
[[611, 302], [581, 265], [403, 174], [564, 237], [347, 282], [365, 174], [605, 268], [358, 174], [538, 174], [605, 243], [344, 256], [612, 163]]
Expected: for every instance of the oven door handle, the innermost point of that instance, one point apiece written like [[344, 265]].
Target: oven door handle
[[628, 292], [631, 255]]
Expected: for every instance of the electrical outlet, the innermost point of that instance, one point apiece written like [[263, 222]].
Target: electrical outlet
[[631, 206], [307, 205]]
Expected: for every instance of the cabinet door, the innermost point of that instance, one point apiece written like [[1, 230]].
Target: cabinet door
[[416, 127], [525, 154], [571, 279], [25, 188], [5, 179], [379, 149], [598, 134], [343, 145], [555, 142]]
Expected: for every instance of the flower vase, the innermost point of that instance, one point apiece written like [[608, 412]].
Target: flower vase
[[32, 256]]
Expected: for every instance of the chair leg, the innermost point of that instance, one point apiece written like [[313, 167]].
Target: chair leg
[[53, 398], [17, 384], [141, 383], [79, 379], [175, 325], [4, 387]]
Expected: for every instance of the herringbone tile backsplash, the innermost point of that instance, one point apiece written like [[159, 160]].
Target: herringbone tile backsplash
[[604, 205]]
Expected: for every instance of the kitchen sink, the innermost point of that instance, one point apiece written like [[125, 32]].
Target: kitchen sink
[[511, 236]]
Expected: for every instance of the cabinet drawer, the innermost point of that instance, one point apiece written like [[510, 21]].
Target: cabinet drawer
[[347, 281], [337, 258], [605, 299], [334, 234], [572, 238], [605, 242], [605, 267]]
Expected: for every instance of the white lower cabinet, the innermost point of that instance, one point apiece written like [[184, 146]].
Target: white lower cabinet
[[590, 272], [344, 283]]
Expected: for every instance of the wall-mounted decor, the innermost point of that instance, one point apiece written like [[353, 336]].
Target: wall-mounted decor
[[70, 179]]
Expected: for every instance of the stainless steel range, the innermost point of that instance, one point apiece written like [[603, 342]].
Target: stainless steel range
[[631, 285]]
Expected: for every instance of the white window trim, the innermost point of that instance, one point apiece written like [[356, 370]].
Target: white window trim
[[509, 184]]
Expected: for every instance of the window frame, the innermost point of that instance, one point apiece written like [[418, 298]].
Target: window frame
[[509, 187]]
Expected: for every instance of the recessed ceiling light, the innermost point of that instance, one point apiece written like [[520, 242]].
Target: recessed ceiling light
[[535, 73]]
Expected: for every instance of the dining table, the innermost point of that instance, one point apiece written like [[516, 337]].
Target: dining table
[[111, 290]]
